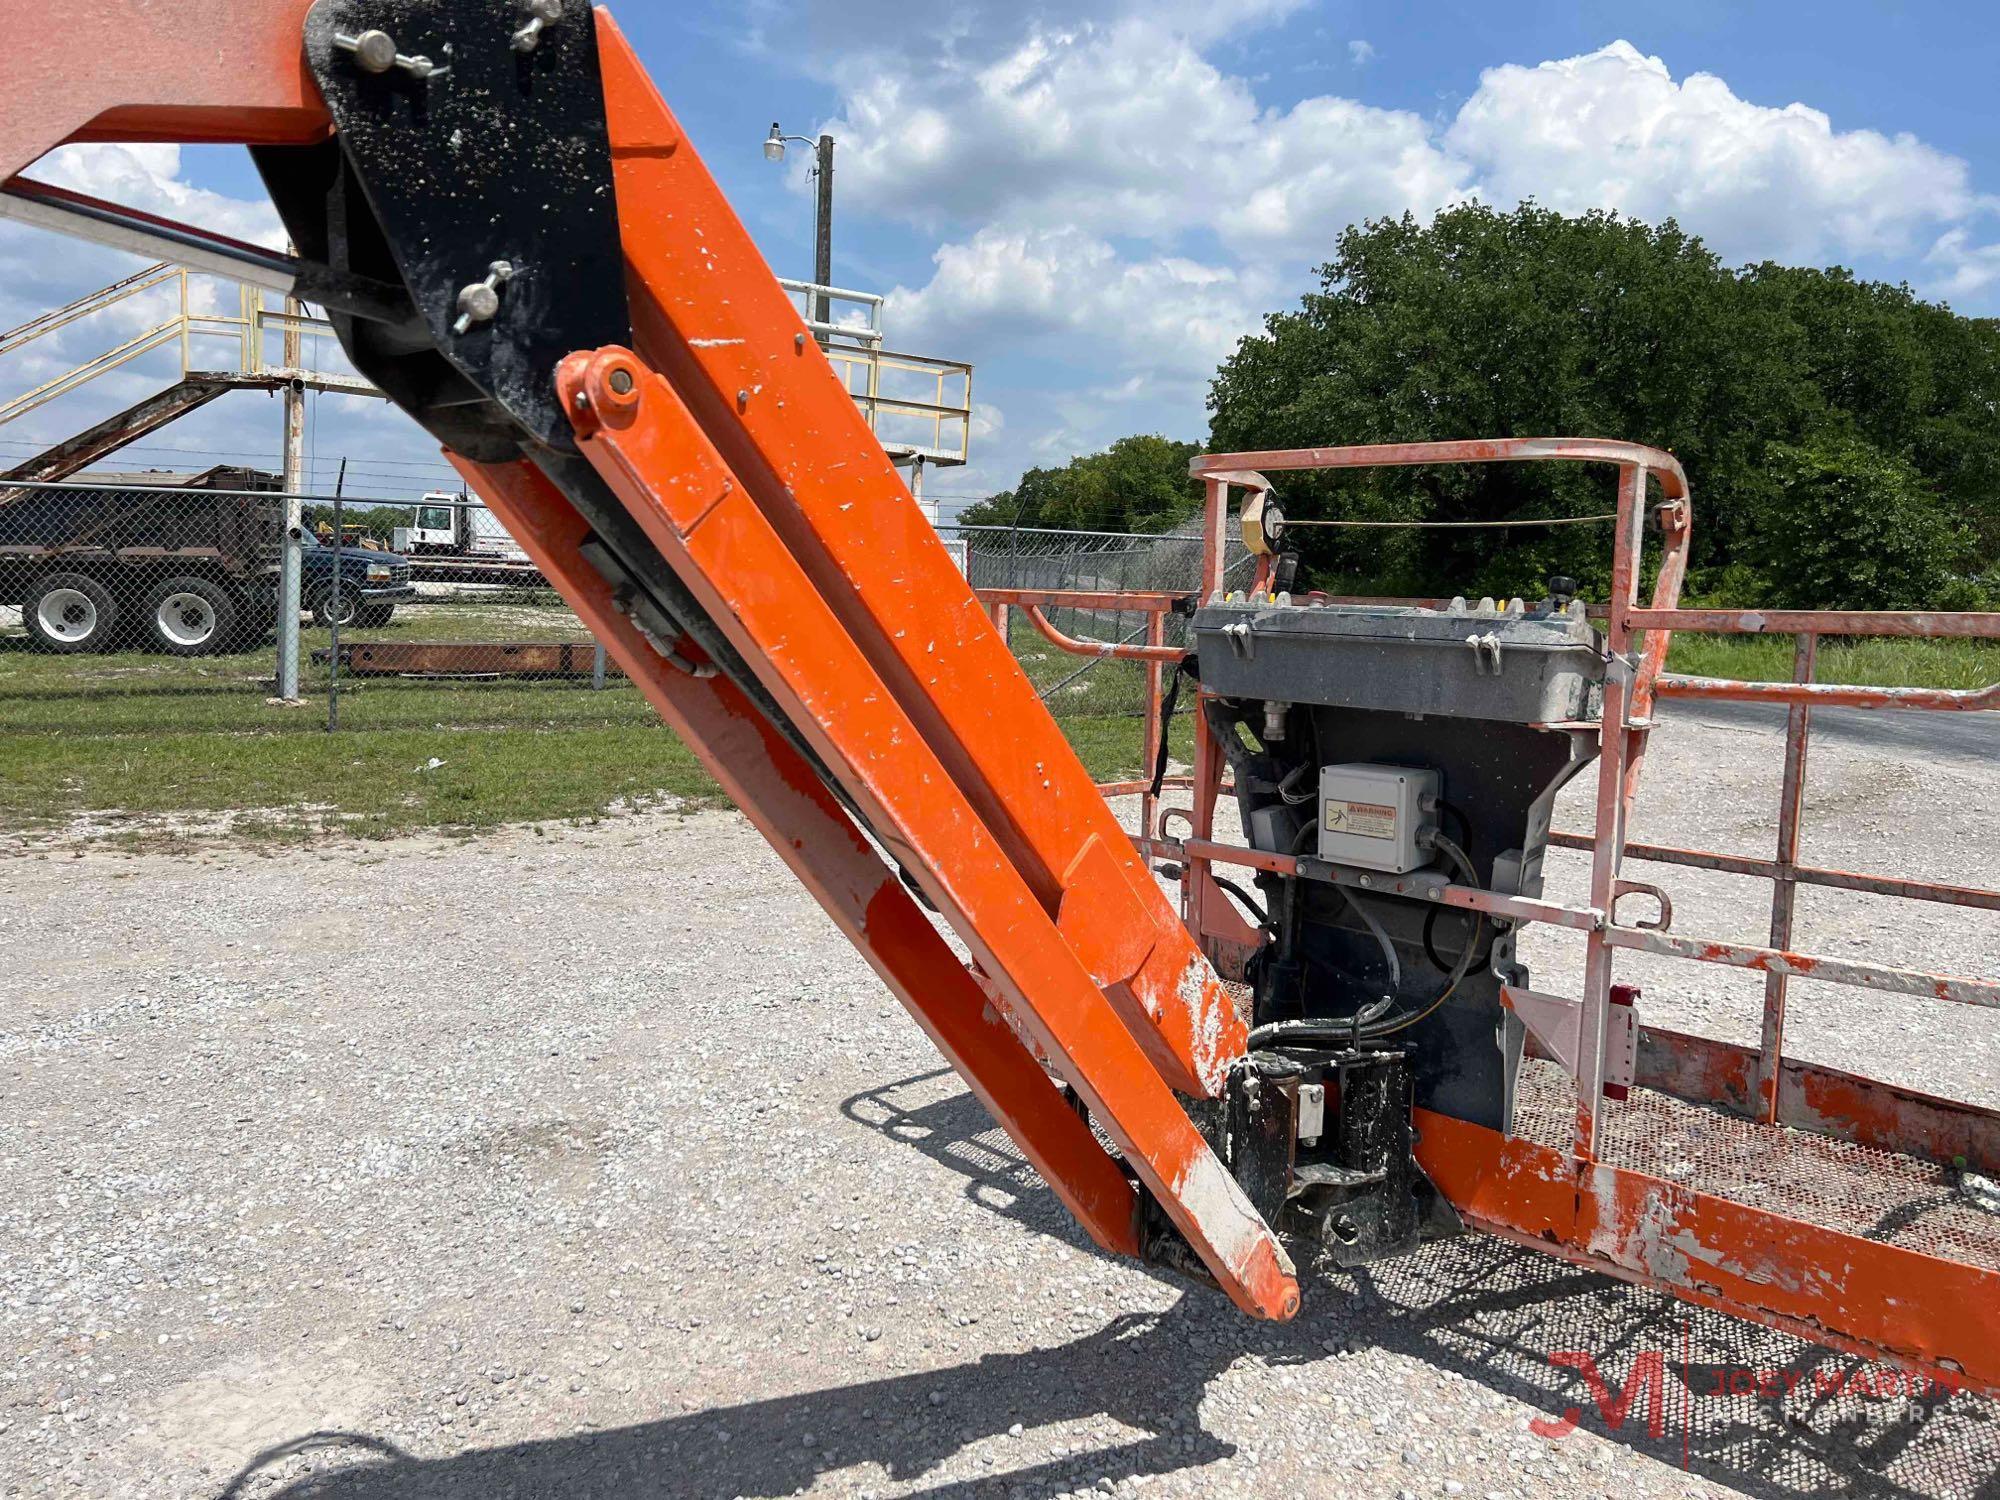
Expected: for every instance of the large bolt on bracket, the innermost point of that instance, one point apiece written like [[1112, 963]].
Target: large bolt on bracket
[[479, 301], [541, 13], [375, 52]]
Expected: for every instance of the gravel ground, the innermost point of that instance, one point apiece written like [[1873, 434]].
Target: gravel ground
[[593, 1163]]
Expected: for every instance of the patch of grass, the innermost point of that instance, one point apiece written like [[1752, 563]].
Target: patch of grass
[[1865, 662], [149, 750], [1112, 748], [143, 742], [364, 783]]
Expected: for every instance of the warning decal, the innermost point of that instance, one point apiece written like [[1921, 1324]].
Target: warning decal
[[1368, 820]]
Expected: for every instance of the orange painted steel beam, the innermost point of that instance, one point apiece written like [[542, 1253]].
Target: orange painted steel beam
[[708, 314], [365, 658], [780, 793], [1116, 600], [231, 71], [1839, 880], [1855, 1294], [1962, 989], [1111, 649], [1239, 468], [693, 506]]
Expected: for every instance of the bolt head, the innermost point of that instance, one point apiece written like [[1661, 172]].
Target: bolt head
[[478, 302], [621, 381], [375, 52]]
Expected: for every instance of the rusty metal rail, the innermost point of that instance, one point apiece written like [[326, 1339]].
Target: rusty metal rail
[[1838, 880]]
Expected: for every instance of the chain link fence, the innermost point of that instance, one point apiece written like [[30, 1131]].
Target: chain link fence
[[131, 610], [116, 595], [143, 650], [1098, 701], [467, 636]]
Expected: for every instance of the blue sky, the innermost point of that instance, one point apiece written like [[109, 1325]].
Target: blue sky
[[1091, 201]]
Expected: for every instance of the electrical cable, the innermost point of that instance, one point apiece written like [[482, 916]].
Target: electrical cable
[[1458, 857], [1381, 938], [1263, 916], [1369, 1028], [1457, 978], [1169, 702], [1366, 1024], [1430, 940], [1464, 823]]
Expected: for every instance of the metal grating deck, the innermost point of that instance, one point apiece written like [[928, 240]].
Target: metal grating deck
[[1860, 1190]]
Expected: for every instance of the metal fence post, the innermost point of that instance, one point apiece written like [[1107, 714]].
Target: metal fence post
[[1784, 888], [333, 642], [295, 432], [1152, 740], [597, 669]]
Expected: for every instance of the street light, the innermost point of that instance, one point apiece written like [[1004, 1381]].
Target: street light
[[817, 308]]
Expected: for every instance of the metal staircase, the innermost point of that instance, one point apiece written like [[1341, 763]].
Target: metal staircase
[[197, 332]]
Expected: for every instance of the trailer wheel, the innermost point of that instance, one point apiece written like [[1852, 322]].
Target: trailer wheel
[[69, 613], [191, 617]]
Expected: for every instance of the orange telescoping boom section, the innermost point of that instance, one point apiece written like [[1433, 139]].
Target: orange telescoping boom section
[[518, 244]]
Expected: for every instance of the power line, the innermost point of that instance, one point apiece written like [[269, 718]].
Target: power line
[[1459, 525], [265, 455]]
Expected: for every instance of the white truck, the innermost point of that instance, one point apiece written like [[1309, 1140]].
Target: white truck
[[448, 525], [451, 539]]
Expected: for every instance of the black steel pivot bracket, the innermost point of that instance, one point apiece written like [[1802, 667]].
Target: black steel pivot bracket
[[476, 173]]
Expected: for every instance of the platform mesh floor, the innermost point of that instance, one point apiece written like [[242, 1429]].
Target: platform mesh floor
[[1861, 1190]]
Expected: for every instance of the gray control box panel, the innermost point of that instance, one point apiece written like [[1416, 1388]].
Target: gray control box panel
[[1375, 816]]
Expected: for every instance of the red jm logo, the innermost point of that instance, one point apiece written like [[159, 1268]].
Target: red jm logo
[[1648, 1374]]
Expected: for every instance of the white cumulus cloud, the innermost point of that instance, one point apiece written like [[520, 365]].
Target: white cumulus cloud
[[1103, 177], [149, 176], [1613, 129], [1129, 130]]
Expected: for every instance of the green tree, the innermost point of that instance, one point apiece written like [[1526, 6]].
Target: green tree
[[1139, 483], [1530, 322], [1853, 524]]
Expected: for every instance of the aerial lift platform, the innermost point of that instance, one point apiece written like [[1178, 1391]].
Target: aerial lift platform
[[517, 243]]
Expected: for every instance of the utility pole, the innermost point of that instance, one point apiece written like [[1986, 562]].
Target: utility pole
[[295, 482], [823, 229], [819, 306]]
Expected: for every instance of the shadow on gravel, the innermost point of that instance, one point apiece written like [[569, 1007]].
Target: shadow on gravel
[[1145, 1372], [1738, 1405]]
